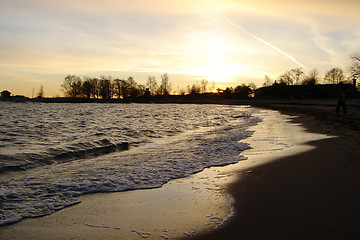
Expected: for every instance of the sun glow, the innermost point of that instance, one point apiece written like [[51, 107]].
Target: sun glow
[[217, 73], [216, 66]]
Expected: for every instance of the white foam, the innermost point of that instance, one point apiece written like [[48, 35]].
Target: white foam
[[215, 140]]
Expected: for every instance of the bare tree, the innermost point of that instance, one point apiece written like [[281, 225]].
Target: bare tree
[[267, 81], [165, 87], [355, 66], [86, 87], [105, 87], [94, 87], [292, 76], [286, 79], [312, 78], [41, 92], [204, 84], [132, 87], [152, 85], [125, 92], [141, 89], [71, 86], [182, 91], [334, 76], [117, 88], [296, 75], [195, 89]]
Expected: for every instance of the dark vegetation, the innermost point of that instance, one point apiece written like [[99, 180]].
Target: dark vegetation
[[109, 88], [293, 84], [296, 84]]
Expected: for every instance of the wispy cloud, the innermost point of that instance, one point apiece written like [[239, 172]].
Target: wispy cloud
[[45, 37], [264, 42], [322, 43]]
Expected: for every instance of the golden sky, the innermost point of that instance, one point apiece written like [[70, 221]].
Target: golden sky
[[226, 41]]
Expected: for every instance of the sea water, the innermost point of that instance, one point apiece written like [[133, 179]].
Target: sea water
[[51, 153]]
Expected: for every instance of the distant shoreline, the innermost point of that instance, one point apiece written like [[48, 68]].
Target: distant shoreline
[[206, 98], [321, 108]]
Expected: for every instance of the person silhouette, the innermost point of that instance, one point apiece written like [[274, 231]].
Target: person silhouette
[[341, 99]]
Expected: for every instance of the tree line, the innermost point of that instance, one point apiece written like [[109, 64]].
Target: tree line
[[107, 87], [297, 76], [335, 75]]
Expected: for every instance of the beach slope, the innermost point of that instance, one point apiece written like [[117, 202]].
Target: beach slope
[[310, 195]]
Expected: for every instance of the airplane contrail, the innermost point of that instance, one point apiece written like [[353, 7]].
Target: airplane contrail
[[263, 41]]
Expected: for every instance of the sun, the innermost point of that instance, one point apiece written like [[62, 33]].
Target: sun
[[217, 72], [212, 51], [217, 66]]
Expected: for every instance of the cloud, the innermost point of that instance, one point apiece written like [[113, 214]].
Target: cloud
[[179, 36]]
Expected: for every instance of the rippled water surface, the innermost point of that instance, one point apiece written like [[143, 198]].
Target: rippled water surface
[[52, 153]]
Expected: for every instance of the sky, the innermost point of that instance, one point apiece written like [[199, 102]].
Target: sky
[[227, 42]]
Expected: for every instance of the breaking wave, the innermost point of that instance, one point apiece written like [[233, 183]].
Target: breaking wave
[[87, 148]]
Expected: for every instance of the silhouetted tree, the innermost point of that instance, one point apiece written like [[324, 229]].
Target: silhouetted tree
[[228, 92], [292, 76], [195, 89], [267, 81], [286, 79], [252, 86], [41, 92], [334, 76], [297, 74], [182, 91], [164, 88], [105, 87], [204, 84], [72, 86], [355, 65], [312, 79], [117, 88], [125, 92], [152, 85], [142, 90], [188, 89], [132, 87], [94, 87], [242, 91], [86, 87]]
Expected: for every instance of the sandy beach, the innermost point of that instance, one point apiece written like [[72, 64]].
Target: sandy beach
[[313, 194], [307, 189]]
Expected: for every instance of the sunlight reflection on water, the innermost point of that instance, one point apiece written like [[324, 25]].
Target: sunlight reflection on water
[[166, 142]]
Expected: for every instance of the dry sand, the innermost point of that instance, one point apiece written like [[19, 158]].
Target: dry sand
[[306, 189]]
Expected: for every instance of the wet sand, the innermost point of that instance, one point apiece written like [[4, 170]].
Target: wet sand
[[296, 184], [180, 208], [313, 194]]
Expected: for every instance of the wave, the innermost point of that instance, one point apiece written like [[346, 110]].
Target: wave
[[24, 161], [46, 190], [167, 142]]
